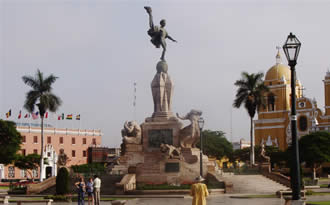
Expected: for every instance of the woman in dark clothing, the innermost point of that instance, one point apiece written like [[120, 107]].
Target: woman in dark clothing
[[81, 190]]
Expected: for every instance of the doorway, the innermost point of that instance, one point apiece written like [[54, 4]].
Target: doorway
[[48, 172]]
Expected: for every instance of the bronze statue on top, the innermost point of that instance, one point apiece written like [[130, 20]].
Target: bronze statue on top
[[158, 34]]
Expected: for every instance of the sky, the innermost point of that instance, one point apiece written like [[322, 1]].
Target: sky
[[100, 48]]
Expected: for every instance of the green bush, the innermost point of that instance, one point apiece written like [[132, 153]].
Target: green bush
[[63, 182], [89, 169]]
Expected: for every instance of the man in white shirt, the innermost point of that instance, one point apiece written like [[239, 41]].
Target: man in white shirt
[[97, 189]]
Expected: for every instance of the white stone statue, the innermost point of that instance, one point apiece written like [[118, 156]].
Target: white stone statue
[[131, 133], [189, 135], [171, 151]]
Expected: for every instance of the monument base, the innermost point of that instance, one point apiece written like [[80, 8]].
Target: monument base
[[158, 168]]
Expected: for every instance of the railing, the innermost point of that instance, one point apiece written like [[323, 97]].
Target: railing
[[37, 188], [278, 177]]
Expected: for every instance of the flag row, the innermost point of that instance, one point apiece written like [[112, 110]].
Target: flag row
[[36, 115]]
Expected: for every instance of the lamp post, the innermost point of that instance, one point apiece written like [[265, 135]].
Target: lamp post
[[291, 49], [201, 125]]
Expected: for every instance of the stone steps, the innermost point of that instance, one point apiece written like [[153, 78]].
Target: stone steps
[[253, 184]]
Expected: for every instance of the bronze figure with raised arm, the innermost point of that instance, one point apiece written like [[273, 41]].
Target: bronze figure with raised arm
[[158, 34]]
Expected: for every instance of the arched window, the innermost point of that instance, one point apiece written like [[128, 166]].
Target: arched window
[[271, 102], [302, 123]]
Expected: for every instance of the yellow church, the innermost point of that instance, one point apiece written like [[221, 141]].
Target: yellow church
[[273, 126]]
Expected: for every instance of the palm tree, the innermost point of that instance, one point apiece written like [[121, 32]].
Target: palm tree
[[41, 96], [251, 90]]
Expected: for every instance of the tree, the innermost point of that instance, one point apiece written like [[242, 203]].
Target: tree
[[216, 144], [41, 96], [28, 162], [251, 90], [10, 141], [63, 181], [314, 149]]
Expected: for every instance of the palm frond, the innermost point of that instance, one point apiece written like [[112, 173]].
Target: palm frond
[[31, 99], [31, 81]]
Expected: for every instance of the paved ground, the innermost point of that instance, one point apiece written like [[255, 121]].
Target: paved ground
[[212, 200], [254, 184], [222, 200]]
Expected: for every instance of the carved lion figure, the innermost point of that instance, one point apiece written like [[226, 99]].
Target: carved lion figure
[[171, 151], [189, 135], [131, 133]]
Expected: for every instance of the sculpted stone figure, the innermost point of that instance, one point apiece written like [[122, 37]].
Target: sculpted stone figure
[[189, 135], [263, 154], [131, 133], [171, 151], [158, 34], [62, 158]]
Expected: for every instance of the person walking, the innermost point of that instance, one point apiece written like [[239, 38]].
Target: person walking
[[81, 191], [97, 190], [199, 192], [89, 190]]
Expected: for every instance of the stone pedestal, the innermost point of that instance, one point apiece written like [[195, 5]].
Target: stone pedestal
[[162, 91], [156, 132], [160, 169], [265, 167]]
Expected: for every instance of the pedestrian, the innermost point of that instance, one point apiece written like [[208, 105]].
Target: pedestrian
[[81, 190], [199, 192], [97, 190], [89, 190]]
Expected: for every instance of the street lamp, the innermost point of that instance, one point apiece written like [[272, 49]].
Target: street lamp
[[291, 49], [201, 125]]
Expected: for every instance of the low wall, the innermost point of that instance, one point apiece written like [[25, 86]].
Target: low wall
[[37, 188], [278, 177]]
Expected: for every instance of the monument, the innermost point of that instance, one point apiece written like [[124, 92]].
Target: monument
[[161, 149]]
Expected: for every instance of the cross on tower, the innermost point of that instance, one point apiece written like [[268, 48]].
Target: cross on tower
[[302, 90]]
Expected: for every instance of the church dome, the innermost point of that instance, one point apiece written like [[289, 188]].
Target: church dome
[[278, 71]]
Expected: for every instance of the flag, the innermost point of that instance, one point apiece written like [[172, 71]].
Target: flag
[[8, 114], [62, 116], [59, 117], [69, 117], [46, 115], [78, 117], [27, 115], [35, 115], [20, 114]]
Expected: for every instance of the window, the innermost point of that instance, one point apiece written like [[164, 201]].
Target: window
[[301, 104], [35, 139], [24, 139], [61, 140], [84, 141], [84, 153], [35, 151], [23, 152], [94, 141], [73, 140], [73, 153], [11, 172], [23, 173], [49, 140], [35, 173], [302, 123], [48, 154], [271, 102]]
